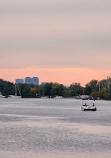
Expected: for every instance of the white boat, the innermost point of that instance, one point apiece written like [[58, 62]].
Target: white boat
[[88, 108], [88, 105]]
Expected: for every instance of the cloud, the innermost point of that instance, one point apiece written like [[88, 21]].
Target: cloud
[[48, 6], [71, 33]]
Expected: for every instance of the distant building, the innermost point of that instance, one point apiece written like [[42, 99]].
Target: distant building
[[19, 81], [28, 80], [43, 83], [33, 80]]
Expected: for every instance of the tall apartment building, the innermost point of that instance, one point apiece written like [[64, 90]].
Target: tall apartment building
[[33, 80], [28, 80]]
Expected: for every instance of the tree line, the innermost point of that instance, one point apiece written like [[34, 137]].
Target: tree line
[[96, 89]]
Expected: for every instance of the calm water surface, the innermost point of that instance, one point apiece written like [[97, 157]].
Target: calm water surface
[[54, 128]]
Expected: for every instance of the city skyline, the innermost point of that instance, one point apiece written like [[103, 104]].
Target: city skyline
[[59, 41], [61, 79], [28, 80]]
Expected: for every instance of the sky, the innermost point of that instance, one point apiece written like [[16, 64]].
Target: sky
[[63, 41]]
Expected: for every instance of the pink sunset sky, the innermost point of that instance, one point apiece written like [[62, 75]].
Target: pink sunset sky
[[57, 41]]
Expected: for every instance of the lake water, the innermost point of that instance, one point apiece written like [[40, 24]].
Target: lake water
[[54, 128]]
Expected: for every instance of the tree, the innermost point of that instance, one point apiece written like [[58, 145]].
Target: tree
[[65, 93], [33, 92], [95, 94], [77, 89], [57, 90], [104, 94], [46, 89], [25, 91], [72, 93], [92, 85], [6, 88]]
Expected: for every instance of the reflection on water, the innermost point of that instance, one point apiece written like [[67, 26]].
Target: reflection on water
[[53, 128]]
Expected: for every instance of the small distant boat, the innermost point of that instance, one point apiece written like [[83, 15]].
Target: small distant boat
[[88, 106], [58, 97]]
